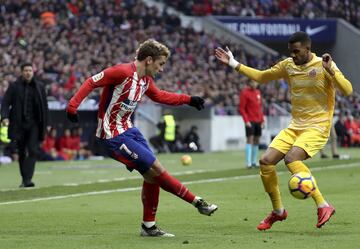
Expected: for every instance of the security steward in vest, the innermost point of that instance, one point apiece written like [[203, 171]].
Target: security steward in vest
[[170, 131]]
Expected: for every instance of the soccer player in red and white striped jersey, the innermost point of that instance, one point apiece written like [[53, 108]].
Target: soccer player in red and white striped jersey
[[123, 86]]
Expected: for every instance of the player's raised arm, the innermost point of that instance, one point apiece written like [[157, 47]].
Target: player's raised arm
[[336, 75], [226, 57], [106, 77]]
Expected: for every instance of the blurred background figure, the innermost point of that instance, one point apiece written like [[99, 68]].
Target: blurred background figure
[[251, 111], [25, 110], [158, 141], [352, 125], [169, 130], [49, 150], [192, 140], [334, 146]]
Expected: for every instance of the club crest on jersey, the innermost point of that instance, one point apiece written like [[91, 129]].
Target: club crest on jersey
[[98, 76], [312, 73]]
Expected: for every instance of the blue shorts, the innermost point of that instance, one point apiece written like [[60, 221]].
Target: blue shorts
[[131, 149]]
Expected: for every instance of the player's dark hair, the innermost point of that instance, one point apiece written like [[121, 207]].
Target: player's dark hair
[[301, 37], [26, 64], [152, 48]]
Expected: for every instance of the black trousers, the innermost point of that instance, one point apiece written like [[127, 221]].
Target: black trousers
[[28, 149]]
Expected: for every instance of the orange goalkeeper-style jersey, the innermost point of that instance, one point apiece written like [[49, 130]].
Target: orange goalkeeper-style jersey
[[312, 90]]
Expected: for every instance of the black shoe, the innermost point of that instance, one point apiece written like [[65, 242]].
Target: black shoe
[[27, 185], [323, 156], [153, 231], [337, 156]]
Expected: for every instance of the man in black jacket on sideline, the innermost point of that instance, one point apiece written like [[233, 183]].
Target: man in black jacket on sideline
[[24, 109]]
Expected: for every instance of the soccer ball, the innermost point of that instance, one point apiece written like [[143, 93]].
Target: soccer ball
[[302, 185], [186, 160]]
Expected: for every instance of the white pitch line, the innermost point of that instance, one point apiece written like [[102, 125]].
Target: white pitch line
[[222, 179], [116, 179]]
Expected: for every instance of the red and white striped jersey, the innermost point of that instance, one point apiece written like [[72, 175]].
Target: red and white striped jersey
[[122, 90]]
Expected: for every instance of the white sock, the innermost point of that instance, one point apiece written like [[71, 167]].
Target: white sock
[[279, 211], [322, 205], [149, 224], [194, 202]]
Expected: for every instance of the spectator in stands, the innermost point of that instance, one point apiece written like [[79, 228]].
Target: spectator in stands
[[63, 61], [353, 127], [310, 9], [48, 147], [65, 145], [342, 132], [82, 40], [24, 109], [179, 140], [333, 144], [192, 140], [81, 147], [157, 141]]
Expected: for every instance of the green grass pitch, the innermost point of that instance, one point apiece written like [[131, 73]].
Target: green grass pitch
[[96, 205]]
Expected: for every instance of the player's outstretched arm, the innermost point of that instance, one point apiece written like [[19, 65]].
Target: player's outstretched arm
[[106, 77], [226, 57], [338, 78], [169, 98]]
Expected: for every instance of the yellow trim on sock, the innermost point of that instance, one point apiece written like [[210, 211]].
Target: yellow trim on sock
[[271, 184]]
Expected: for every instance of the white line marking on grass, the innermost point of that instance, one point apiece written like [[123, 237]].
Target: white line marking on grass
[[44, 172], [222, 179], [118, 179]]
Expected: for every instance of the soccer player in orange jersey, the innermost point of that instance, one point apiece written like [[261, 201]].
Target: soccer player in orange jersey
[[312, 81]]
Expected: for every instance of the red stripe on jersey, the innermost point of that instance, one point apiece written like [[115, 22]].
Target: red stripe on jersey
[[136, 97], [116, 107]]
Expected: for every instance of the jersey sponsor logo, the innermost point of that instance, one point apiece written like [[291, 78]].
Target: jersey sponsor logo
[[128, 105], [98, 76]]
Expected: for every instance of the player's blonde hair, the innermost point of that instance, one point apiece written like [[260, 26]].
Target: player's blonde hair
[[152, 48]]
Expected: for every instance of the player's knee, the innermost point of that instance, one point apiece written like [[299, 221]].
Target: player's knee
[[157, 168], [266, 160], [289, 158]]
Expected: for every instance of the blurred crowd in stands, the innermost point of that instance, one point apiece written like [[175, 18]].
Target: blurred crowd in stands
[[68, 41], [346, 9]]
